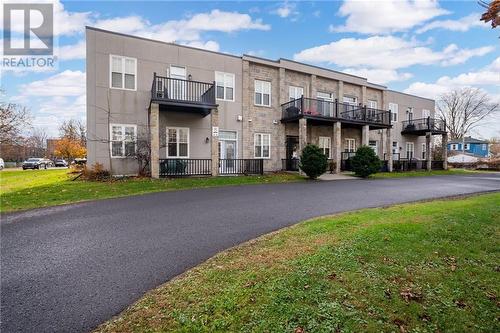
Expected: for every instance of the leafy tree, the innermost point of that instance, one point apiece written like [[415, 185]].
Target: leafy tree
[[365, 162], [492, 12], [69, 148], [14, 119], [313, 162]]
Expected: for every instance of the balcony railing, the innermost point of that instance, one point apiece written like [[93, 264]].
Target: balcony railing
[[424, 125], [239, 166], [321, 109], [178, 167], [182, 91]]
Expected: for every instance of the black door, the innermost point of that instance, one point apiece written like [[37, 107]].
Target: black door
[[292, 145]]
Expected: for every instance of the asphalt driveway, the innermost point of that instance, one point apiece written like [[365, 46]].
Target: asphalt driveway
[[70, 268]]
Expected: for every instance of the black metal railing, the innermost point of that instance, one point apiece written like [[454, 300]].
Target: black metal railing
[[334, 110], [290, 164], [241, 166], [437, 165], [424, 125], [345, 160], [174, 167], [395, 156], [178, 90]]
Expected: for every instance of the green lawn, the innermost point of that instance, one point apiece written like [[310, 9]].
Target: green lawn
[[41, 188], [424, 267], [424, 173]]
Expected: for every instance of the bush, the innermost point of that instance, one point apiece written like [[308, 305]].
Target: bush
[[313, 162], [365, 162], [96, 172]]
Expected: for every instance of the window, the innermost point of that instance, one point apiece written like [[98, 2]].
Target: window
[[453, 146], [409, 113], [123, 72], [426, 113], [325, 104], [262, 145], [262, 93], [484, 146], [225, 86], [295, 92], [373, 145], [350, 100], [350, 145], [325, 144], [395, 147], [372, 104], [410, 150], [177, 72], [466, 146], [424, 149], [123, 140], [325, 96], [393, 107], [177, 142]]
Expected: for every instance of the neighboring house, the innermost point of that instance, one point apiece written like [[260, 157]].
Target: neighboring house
[[462, 158], [469, 146], [204, 112], [51, 147]]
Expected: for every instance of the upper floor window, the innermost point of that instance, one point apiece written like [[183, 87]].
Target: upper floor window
[[426, 113], [324, 96], [123, 72], [295, 92], [262, 93], [123, 140], [393, 107], [395, 147], [350, 100], [372, 104], [466, 146], [453, 146], [409, 113], [225, 86], [484, 146]]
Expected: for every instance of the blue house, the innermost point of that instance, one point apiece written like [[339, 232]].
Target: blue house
[[475, 147]]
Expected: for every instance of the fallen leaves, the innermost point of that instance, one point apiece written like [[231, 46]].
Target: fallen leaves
[[411, 295]]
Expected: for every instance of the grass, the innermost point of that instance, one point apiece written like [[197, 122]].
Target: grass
[[421, 173], [424, 267], [42, 188]]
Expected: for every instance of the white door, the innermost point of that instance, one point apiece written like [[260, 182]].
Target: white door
[[325, 104], [228, 151], [410, 150], [177, 87], [295, 92]]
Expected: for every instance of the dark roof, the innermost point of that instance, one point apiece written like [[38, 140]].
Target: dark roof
[[468, 139]]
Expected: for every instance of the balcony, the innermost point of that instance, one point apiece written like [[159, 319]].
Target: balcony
[[326, 111], [183, 95], [424, 125]]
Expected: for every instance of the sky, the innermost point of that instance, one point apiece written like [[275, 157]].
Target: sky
[[419, 47]]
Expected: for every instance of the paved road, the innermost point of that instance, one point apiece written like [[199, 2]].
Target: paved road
[[69, 268]]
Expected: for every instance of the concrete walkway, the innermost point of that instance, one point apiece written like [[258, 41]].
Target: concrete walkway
[[336, 176], [70, 268]]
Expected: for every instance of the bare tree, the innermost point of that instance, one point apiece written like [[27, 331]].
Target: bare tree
[[464, 109], [74, 130], [37, 141], [14, 119]]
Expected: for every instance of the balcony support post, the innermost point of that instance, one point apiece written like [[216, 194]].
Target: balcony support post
[[337, 145], [302, 135], [388, 144], [365, 135], [214, 142], [154, 136], [444, 148], [428, 150]]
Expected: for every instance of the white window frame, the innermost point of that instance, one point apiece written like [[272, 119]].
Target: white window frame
[[453, 146], [262, 83], [426, 113], [354, 103], [330, 98], [232, 140], [466, 146], [177, 141], [395, 149], [372, 104], [323, 147], [295, 92], [122, 139], [177, 66], [394, 108], [424, 150], [123, 59], [262, 135], [484, 146], [375, 148], [232, 78], [348, 147], [412, 145]]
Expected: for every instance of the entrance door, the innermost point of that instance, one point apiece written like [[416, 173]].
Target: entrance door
[[292, 151], [177, 88], [228, 151]]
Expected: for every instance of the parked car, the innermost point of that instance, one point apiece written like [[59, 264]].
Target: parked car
[[60, 163], [2, 164], [79, 161], [35, 163]]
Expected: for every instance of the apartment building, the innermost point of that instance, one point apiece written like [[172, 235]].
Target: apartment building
[[206, 113]]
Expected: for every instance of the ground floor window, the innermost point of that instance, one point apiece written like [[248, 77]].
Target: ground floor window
[[395, 147], [424, 150], [373, 145], [178, 142], [325, 144], [262, 145], [228, 144], [410, 150], [123, 140], [349, 145]]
